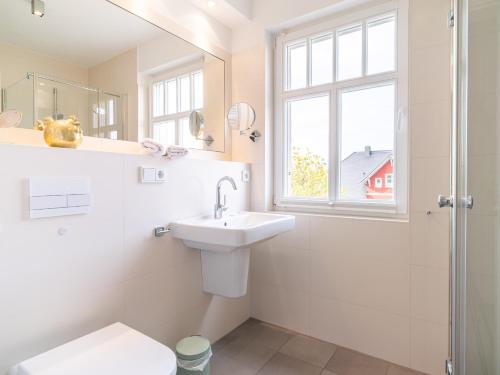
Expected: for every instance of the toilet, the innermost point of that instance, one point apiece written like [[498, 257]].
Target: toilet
[[115, 349]]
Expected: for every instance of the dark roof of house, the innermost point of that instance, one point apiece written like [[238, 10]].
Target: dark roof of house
[[356, 168]]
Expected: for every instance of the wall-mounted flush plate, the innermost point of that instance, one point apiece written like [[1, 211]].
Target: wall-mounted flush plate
[[59, 196], [245, 175], [152, 175]]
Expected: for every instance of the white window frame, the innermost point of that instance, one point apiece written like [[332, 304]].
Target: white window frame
[[174, 74], [331, 205]]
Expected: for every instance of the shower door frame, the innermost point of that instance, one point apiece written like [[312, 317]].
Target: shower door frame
[[459, 190]]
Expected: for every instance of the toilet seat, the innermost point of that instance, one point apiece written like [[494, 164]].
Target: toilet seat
[[116, 349]]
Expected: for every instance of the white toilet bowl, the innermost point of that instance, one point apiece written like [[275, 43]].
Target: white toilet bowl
[[116, 349]]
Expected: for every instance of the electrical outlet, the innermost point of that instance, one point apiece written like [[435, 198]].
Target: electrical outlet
[[161, 175]]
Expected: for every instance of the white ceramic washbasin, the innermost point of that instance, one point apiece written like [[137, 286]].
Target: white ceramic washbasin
[[232, 231]]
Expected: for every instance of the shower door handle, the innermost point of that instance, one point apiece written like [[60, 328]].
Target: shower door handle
[[445, 201], [469, 202]]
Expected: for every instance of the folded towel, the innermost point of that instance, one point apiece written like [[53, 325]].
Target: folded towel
[[175, 151], [153, 147]]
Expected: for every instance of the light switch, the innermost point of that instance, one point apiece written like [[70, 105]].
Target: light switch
[[148, 175]]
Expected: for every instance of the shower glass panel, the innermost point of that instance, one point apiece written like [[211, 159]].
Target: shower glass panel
[[100, 113], [477, 311], [19, 96]]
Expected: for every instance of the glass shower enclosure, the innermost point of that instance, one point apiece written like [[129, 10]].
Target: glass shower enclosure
[[38, 96], [475, 339]]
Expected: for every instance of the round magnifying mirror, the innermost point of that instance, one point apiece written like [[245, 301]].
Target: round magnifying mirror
[[10, 119], [196, 123], [241, 116]]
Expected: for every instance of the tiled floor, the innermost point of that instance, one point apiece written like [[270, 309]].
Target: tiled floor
[[259, 348]]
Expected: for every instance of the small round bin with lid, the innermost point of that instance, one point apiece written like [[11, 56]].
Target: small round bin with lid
[[193, 356]]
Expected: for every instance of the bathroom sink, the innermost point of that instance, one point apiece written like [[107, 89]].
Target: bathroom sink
[[232, 231], [225, 246]]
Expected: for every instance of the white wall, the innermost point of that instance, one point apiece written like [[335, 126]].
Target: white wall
[[384, 292], [17, 61], [108, 266]]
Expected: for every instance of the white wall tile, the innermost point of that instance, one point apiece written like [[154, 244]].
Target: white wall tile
[[429, 178], [369, 331], [374, 240], [280, 306], [352, 278], [429, 294], [430, 239], [428, 23], [429, 134], [430, 74], [280, 266], [429, 346]]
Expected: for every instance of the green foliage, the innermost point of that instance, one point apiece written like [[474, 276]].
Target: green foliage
[[309, 177]]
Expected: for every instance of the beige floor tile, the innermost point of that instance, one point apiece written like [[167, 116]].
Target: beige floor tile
[[255, 356], [328, 372], [309, 350], [281, 364], [221, 365], [349, 362], [398, 370], [220, 344], [270, 336]]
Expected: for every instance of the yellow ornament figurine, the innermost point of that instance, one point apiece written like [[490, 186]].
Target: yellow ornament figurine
[[61, 133]]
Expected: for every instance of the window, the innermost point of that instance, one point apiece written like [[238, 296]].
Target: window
[[388, 180], [172, 100], [341, 137]]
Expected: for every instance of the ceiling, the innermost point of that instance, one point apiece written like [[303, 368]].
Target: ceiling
[[231, 13], [85, 33]]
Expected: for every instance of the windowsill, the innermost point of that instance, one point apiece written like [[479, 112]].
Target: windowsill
[[361, 211]]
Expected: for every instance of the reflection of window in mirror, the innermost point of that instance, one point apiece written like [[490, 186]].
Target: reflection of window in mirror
[[172, 100]]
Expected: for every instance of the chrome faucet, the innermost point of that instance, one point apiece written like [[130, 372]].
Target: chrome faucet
[[220, 208]]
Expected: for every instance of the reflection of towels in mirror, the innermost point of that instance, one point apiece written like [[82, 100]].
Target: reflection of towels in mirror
[[10, 119], [156, 148], [153, 147], [176, 152]]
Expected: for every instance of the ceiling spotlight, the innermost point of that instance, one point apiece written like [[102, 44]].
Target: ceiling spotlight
[[37, 8], [211, 3]]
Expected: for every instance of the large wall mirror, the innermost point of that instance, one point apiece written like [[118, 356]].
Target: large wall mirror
[[123, 77]]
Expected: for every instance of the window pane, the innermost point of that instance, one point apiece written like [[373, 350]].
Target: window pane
[[185, 137], [164, 132], [367, 143], [308, 124], [381, 45], [110, 112], [171, 97], [198, 90], [322, 60], [297, 66], [350, 53], [158, 99], [185, 84], [113, 134]]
